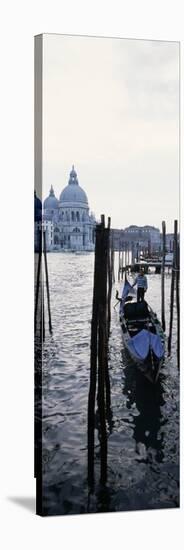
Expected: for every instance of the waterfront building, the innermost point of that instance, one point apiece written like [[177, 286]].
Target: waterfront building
[[146, 237], [72, 225], [170, 242], [51, 207]]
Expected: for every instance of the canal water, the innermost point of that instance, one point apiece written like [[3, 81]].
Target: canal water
[[143, 432]]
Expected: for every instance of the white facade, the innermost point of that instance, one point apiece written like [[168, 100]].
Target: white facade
[[39, 228], [72, 224]]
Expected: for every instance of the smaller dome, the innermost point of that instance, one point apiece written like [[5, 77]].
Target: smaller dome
[[51, 202], [37, 208]]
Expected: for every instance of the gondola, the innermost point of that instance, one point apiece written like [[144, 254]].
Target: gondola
[[143, 336]]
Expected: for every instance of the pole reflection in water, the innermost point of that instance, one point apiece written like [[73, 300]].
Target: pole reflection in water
[[103, 424], [100, 330], [143, 428]]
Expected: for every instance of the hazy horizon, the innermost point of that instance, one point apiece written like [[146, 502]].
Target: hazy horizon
[[111, 108]]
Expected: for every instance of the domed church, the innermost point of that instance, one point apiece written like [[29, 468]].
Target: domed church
[[69, 223]]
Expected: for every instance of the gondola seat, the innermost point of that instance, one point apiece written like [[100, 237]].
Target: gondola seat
[[137, 311]]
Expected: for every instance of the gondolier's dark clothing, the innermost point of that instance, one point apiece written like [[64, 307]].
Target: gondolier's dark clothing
[[142, 285], [140, 294]]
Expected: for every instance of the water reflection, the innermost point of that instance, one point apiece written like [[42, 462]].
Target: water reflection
[[101, 421], [142, 423], [148, 399]]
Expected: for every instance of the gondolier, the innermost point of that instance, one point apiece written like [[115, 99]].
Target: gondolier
[[142, 332], [142, 285]]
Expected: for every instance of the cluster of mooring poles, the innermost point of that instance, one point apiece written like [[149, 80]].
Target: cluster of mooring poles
[[99, 390], [175, 281], [126, 251], [39, 315]]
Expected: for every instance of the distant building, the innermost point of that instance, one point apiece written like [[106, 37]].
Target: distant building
[[169, 242], [144, 234], [69, 224], [147, 237]]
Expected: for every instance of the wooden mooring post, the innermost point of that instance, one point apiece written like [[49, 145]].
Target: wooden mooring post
[[128, 254], [178, 301], [119, 262], [112, 257], [163, 275], [122, 261], [47, 281], [99, 350], [102, 350], [38, 277], [175, 286], [93, 360], [137, 252], [109, 275], [133, 253], [39, 304], [172, 291], [42, 325]]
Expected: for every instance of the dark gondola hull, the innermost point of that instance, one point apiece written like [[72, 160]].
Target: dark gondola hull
[[151, 365]]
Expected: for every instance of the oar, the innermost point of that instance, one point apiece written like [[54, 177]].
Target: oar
[[117, 298]]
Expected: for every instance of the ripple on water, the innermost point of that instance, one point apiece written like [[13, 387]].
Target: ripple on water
[[143, 432]]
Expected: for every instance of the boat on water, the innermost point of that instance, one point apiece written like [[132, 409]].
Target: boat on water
[[81, 252], [143, 336]]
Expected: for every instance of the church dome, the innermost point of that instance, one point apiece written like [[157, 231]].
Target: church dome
[[73, 193], [51, 203]]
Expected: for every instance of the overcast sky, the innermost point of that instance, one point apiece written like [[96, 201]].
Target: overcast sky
[[111, 108]]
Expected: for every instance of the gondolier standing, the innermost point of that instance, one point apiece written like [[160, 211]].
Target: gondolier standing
[[142, 285]]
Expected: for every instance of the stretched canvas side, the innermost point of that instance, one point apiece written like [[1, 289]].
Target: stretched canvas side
[[38, 282]]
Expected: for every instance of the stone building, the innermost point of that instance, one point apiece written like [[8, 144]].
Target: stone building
[[73, 227], [146, 236]]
